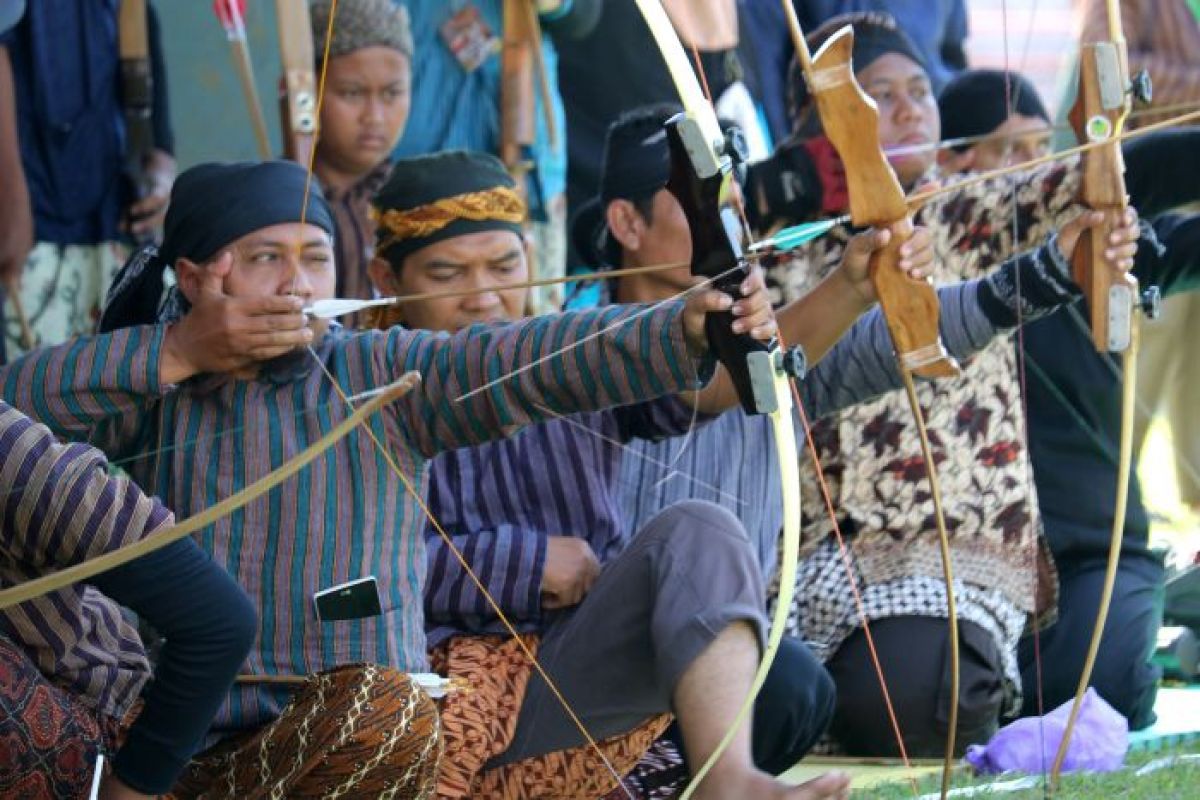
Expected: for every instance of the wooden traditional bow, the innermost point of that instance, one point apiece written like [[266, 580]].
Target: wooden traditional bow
[[1101, 106], [701, 179], [850, 120], [115, 558]]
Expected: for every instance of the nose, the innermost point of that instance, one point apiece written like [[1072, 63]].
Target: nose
[[907, 108], [485, 295], [373, 109], [295, 278]]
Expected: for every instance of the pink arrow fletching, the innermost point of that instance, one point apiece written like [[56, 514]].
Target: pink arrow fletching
[[232, 14]]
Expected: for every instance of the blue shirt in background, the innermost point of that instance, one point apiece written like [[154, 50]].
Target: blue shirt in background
[[66, 80], [453, 109]]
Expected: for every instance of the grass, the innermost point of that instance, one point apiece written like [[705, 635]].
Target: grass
[[1180, 781]]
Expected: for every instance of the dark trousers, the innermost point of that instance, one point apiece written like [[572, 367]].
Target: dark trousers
[[914, 653], [619, 654], [792, 711], [1123, 676]]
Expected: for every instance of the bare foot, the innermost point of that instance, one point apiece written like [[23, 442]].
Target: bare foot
[[834, 785], [760, 785]]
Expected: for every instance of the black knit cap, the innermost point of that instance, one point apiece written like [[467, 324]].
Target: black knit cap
[[875, 34], [977, 102], [637, 164], [421, 181]]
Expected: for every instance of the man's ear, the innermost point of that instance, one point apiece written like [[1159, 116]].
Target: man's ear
[[952, 161], [383, 276], [188, 275], [625, 224]]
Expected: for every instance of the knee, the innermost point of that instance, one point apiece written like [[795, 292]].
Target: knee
[[700, 525]]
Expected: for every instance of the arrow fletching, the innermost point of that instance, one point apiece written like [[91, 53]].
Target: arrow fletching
[[339, 307], [793, 237], [232, 14]]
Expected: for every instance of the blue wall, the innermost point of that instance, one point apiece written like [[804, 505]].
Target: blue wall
[[208, 107]]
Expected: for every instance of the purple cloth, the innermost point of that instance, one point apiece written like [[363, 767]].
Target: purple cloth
[[1098, 743]]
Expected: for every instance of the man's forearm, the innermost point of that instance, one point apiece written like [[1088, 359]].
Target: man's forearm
[[76, 385], [540, 368], [511, 561]]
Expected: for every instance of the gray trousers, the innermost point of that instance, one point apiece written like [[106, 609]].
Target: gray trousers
[[619, 654]]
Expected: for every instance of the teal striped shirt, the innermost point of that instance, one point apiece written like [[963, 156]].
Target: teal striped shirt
[[347, 515]]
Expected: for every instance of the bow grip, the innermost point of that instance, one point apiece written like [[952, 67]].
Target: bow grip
[[699, 180]]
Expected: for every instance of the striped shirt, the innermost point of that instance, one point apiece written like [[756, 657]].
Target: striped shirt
[[346, 516], [60, 508], [354, 236], [501, 500], [602, 476]]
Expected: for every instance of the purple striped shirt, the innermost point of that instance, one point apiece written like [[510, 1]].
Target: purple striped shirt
[[500, 501], [346, 516], [61, 507]]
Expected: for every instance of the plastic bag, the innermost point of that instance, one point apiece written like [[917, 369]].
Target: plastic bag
[[1098, 743]]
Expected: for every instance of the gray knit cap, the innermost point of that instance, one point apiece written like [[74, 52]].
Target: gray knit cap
[[359, 24]]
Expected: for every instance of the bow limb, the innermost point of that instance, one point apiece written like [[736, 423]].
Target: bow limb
[[701, 180], [850, 120], [134, 550], [298, 99], [1101, 107]]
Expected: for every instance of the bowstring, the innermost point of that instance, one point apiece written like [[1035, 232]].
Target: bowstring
[[1010, 100], [409, 488]]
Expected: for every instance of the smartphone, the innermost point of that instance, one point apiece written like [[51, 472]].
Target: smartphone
[[355, 599]]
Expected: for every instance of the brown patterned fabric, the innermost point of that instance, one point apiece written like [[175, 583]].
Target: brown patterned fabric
[[575, 773], [479, 724], [49, 737], [870, 453], [355, 731]]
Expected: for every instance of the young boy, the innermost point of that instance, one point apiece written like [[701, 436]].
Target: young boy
[[367, 93]]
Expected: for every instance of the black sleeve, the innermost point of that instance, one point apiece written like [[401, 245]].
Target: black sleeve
[[164, 136], [209, 625], [578, 22], [1162, 170], [1177, 268]]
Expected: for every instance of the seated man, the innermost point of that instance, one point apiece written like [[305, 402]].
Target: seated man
[[538, 514], [229, 378], [71, 666], [1074, 403]]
